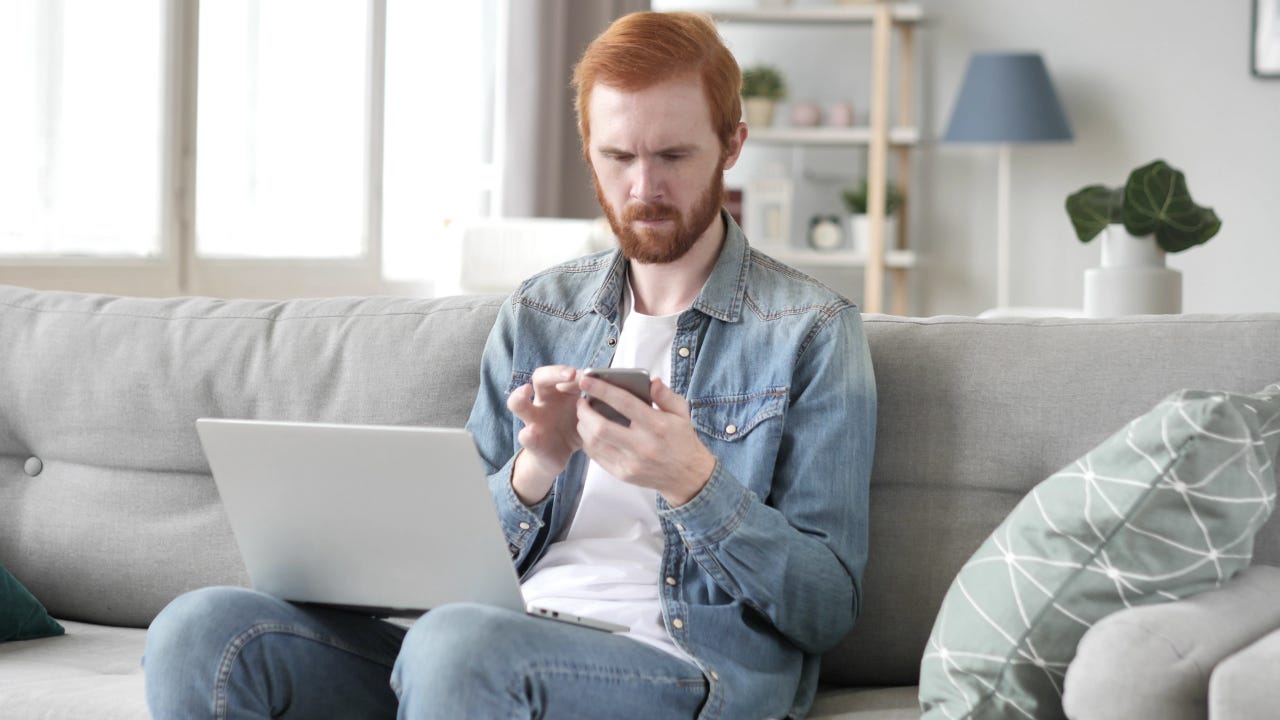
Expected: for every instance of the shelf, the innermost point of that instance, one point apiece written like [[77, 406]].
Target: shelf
[[862, 14], [837, 258], [829, 136]]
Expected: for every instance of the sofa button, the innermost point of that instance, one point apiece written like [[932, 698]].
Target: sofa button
[[33, 466]]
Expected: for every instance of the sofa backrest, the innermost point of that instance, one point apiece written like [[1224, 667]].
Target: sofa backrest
[[123, 516], [101, 393]]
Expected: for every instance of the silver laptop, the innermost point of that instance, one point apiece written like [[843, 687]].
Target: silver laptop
[[386, 520]]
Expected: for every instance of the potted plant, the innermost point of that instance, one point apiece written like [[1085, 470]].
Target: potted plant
[[1151, 215], [855, 200], [762, 88]]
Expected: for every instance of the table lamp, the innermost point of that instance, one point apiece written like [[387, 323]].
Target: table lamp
[[1006, 98]]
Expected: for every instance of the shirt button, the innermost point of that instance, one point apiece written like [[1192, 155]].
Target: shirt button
[[684, 352], [677, 623], [525, 526], [730, 429], [679, 527], [613, 341], [671, 581], [715, 675]]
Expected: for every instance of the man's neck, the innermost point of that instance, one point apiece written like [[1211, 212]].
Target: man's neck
[[669, 288]]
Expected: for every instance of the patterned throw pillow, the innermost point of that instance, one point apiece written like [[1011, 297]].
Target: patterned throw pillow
[[1165, 508], [22, 617]]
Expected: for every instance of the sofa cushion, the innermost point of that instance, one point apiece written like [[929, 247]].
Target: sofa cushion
[[109, 511], [90, 673], [1164, 508], [1154, 661], [22, 617]]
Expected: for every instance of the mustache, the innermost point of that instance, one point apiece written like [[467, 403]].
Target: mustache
[[650, 211]]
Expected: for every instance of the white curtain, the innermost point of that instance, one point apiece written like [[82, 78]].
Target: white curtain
[[536, 143]]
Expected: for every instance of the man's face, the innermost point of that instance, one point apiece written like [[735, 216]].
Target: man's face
[[658, 166]]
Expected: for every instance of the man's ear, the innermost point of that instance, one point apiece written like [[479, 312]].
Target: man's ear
[[736, 142]]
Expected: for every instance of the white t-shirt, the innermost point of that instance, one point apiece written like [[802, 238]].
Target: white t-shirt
[[608, 564]]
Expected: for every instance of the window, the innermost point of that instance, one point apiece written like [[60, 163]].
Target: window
[[81, 128], [239, 147]]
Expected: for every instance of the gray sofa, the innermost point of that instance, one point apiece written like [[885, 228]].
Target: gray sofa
[[120, 514]]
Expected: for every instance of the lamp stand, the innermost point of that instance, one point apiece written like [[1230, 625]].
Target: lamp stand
[[1002, 227]]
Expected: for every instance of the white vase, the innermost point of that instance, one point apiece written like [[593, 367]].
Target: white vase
[[758, 112], [860, 232], [1133, 279]]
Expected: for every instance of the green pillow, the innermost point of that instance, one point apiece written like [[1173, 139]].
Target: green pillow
[[1165, 508], [22, 617]]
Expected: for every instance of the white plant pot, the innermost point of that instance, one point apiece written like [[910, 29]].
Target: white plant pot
[[860, 232], [758, 112], [1132, 280]]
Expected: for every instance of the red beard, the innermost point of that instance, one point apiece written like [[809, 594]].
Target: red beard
[[655, 246]]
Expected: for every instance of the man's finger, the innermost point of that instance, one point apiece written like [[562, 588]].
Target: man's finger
[[668, 400], [520, 400]]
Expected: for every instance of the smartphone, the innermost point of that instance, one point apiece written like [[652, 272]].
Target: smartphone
[[632, 380]]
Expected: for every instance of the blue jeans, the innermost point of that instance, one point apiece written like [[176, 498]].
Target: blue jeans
[[236, 653]]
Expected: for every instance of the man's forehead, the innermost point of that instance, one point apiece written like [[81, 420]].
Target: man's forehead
[[670, 112]]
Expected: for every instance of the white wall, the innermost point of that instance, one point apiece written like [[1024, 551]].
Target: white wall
[[1140, 79]]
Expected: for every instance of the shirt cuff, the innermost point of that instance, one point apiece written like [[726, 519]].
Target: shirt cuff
[[714, 513], [520, 522]]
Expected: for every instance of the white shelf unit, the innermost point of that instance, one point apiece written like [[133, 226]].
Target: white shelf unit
[[884, 256]]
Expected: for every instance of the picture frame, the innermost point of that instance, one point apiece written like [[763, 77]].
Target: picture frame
[[767, 206], [1264, 46]]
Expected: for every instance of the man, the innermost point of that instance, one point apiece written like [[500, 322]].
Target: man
[[725, 525]]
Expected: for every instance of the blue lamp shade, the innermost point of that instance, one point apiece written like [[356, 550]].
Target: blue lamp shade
[[1007, 98]]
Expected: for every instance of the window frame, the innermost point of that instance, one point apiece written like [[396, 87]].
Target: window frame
[[178, 270]]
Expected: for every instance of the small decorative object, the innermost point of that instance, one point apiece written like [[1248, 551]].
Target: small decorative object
[[825, 232], [806, 114], [1153, 214], [840, 114], [1266, 39], [767, 206], [762, 88], [855, 200], [733, 203]]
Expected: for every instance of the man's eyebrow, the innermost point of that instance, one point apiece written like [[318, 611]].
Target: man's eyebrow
[[678, 149]]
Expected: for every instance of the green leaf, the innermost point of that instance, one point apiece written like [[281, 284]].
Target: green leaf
[[1093, 208], [1157, 201]]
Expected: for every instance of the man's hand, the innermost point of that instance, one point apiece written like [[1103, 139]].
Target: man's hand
[[548, 408], [660, 449]]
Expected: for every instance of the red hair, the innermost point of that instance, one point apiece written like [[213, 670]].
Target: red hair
[[642, 49]]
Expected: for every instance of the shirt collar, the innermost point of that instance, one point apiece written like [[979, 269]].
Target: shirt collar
[[721, 296]]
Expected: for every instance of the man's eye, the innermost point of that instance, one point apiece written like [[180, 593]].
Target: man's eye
[[672, 157]]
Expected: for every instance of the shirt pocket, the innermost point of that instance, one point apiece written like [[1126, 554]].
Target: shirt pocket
[[735, 418]]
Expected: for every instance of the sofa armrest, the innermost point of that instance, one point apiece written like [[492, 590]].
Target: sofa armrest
[[1155, 661], [1243, 686]]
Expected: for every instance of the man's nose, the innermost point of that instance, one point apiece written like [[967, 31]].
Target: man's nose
[[647, 182]]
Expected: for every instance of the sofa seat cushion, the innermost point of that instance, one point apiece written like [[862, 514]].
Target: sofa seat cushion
[[1165, 508], [92, 672], [889, 703]]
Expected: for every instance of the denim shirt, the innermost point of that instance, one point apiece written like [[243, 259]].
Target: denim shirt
[[761, 571]]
